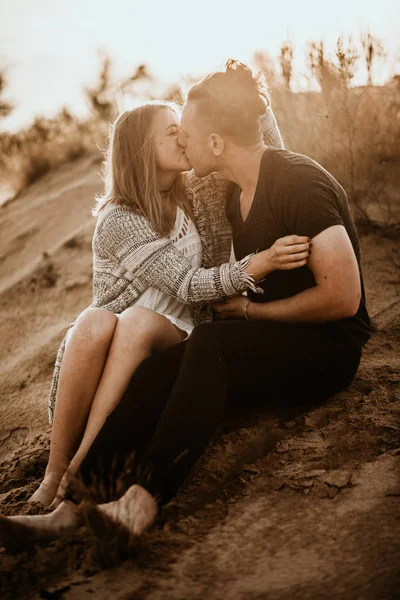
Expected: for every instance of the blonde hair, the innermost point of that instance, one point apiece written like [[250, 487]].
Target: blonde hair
[[130, 169]]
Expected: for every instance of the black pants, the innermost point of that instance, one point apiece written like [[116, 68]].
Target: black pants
[[177, 398]]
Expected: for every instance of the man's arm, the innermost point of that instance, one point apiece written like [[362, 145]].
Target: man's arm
[[337, 293]]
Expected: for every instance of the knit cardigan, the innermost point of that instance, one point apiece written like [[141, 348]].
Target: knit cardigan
[[129, 256]]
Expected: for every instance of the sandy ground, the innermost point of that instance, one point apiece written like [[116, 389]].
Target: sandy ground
[[306, 510]]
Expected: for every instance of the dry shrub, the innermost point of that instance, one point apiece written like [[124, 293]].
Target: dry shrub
[[27, 155], [5, 107], [352, 132]]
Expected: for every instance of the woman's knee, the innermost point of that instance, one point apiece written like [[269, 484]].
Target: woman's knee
[[96, 323], [139, 318], [145, 326]]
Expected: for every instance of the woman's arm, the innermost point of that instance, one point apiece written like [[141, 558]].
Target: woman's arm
[[128, 239], [270, 130], [335, 296], [337, 293]]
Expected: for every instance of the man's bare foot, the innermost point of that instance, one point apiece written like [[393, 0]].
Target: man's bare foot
[[135, 511], [18, 532], [47, 490]]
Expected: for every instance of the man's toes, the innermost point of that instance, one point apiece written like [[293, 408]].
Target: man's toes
[[144, 509], [135, 511]]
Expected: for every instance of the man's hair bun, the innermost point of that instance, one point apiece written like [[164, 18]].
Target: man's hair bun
[[254, 87], [237, 69]]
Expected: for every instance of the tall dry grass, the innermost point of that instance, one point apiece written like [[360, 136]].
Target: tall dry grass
[[29, 154], [354, 132]]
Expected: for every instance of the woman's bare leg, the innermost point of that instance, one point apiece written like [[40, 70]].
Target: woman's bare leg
[[135, 511], [82, 366], [139, 333]]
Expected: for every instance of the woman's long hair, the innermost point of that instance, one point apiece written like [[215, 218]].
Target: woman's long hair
[[130, 170]]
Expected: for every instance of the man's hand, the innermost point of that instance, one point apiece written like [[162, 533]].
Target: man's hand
[[233, 308]]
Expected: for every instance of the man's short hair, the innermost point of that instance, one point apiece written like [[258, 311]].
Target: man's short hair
[[231, 102]]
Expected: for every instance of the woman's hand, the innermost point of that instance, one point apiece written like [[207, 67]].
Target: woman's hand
[[289, 252], [232, 308]]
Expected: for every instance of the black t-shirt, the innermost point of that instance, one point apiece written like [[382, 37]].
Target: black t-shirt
[[295, 195]]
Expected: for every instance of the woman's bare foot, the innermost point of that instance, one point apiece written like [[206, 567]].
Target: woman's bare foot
[[135, 511], [18, 532], [46, 492]]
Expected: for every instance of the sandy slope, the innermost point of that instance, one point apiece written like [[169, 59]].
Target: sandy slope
[[271, 512], [45, 281]]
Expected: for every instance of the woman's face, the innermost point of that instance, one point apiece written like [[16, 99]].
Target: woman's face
[[170, 157]]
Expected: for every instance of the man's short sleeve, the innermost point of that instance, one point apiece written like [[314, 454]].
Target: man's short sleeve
[[311, 205]]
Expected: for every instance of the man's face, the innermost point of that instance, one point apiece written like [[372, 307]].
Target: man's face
[[195, 140]]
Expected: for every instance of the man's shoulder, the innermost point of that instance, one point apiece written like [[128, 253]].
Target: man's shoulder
[[298, 170], [295, 162]]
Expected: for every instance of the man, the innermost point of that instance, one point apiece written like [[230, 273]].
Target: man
[[297, 343], [277, 190]]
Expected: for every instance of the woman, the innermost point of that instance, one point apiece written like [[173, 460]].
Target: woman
[[146, 271]]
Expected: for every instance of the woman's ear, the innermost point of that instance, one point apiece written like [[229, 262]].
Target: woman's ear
[[217, 144]]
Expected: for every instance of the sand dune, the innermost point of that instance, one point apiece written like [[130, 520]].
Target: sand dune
[[45, 280], [307, 510]]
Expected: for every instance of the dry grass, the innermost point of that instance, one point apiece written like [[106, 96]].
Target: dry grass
[[353, 132], [29, 154]]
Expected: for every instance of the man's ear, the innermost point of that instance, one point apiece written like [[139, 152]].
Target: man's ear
[[217, 144]]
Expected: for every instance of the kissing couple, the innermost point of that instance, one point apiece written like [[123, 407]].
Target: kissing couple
[[226, 270]]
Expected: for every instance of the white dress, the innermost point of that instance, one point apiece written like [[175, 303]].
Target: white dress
[[186, 238]]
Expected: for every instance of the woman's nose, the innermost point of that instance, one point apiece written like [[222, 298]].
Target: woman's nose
[[181, 139]]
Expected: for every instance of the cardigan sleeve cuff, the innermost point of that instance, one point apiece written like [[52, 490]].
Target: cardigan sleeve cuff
[[235, 279]]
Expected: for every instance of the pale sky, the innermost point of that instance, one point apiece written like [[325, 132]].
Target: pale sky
[[49, 46]]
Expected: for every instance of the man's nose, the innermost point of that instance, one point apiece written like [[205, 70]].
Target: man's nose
[[181, 139]]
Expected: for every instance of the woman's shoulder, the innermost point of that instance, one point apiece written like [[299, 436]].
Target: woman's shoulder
[[115, 217], [120, 213]]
